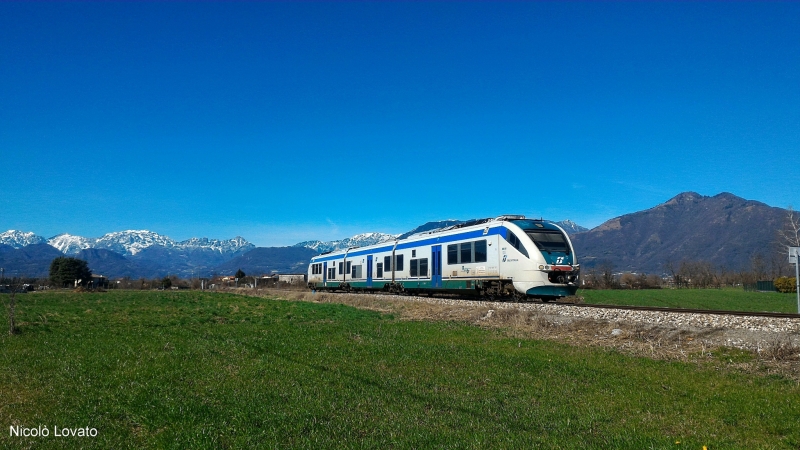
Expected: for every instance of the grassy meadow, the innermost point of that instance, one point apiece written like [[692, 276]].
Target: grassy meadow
[[218, 370], [730, 299]]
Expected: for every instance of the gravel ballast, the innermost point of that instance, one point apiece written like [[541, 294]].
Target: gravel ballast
[[746, 332]]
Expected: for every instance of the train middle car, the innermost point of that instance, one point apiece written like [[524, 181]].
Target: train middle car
[[504, 257]]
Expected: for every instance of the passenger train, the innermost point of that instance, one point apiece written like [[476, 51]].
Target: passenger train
[[508, 257]]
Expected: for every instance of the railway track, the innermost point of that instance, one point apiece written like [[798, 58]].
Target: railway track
[[602, 306], [687, 310]]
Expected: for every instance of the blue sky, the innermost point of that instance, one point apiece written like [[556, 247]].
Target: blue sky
[[283, 122]]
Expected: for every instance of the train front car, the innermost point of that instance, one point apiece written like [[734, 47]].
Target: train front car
[[540, 259]]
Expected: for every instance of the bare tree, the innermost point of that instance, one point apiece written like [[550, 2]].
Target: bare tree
[[592, 278], [721, 276], [778, 263], [654, 281], [669, 267], [789, 235], [606, 268], [628, 280], [758, 266], [642, 282]]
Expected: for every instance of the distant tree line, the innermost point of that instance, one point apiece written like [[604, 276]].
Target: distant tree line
[[688, 274]]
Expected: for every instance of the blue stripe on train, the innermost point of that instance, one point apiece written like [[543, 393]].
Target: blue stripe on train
[[416, 244]]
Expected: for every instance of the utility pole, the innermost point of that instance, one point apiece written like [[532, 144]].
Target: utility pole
[[794, 257]]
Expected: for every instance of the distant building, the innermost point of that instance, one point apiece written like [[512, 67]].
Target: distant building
[[292, 278], [99, 281]]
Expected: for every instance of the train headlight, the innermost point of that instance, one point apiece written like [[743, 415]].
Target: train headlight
[[546, 267], [541, 266]]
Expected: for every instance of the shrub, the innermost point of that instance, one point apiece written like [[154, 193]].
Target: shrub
[[786, 284]]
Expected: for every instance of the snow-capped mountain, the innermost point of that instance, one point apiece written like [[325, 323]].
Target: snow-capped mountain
[[70, 244], [131, 242], [571, 227], [227, 246], [358, 240], [126, 243], [19, 239]]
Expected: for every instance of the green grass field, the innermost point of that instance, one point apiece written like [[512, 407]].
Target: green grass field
[[720, 299], [201, 370]]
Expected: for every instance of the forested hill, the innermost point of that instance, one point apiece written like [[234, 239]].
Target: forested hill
[[724, 230]]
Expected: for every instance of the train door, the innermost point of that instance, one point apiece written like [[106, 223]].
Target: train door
[[369, 271], [325, 273], [436, 266]]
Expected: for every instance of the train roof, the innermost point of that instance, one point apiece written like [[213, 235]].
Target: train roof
[[470, 223], [465, 224]]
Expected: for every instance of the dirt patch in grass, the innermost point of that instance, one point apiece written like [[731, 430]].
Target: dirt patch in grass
[[777, 355]]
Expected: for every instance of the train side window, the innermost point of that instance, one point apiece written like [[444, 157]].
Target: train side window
[[356, 273], [347, 268], [480, 251], [331, 273], [387, 263], [423, 267], [466, 252], [380, 270], [413, 266], [398, 261], [413, 253], [341, 268], [452, 254], [516, 243]]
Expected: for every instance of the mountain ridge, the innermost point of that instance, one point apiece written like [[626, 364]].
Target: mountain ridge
[[724, 229], [128, 242]]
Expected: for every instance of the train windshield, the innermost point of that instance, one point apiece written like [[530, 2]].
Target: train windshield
[[549, 241], [545, 238]]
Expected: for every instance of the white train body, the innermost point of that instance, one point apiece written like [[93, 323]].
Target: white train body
[[509, 256]]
